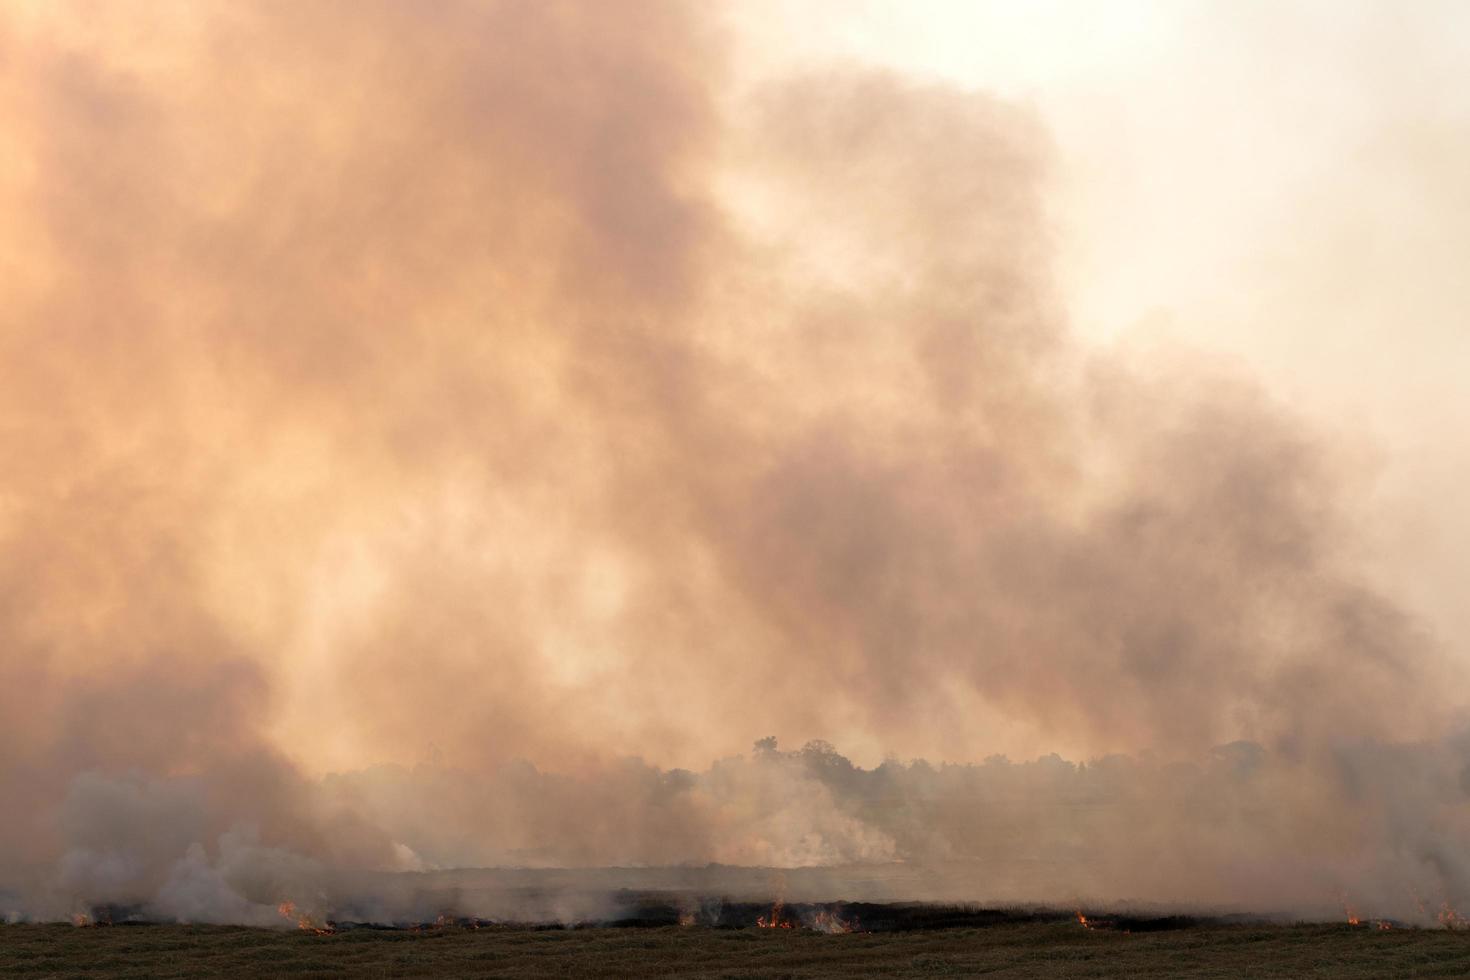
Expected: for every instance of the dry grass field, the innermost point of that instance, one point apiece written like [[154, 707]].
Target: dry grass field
[[1007, 949]]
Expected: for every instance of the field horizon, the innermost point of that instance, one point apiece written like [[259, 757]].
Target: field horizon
[[893, 896]]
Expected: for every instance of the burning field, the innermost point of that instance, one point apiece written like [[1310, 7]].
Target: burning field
[[916, 941], [509, 487], [681, 933]]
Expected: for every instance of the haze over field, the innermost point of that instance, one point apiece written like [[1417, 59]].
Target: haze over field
[[448, 436]]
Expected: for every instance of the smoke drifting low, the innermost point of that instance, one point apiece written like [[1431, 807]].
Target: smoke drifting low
[[496, 377]]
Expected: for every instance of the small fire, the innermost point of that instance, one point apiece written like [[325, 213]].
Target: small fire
[[686, 919], [1353, 918], [288, 910], [1082, 919], [774, 921], [831, 923], [1450, 918], [1419, 902], [81, 919]]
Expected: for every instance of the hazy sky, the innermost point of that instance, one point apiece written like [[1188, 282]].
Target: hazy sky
[[1277, 183]]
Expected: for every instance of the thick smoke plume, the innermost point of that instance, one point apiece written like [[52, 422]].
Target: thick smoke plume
[[410, 391]]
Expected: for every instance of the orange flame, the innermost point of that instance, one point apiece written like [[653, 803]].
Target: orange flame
[[1419, 901], [288, 910], [774, 921], [1082, 919], [831, 923], [1450, 918], [1354, 919]]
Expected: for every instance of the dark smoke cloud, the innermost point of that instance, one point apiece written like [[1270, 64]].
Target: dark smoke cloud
[[484, 376]]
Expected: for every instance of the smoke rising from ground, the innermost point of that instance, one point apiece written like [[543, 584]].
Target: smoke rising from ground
[[490, 377]]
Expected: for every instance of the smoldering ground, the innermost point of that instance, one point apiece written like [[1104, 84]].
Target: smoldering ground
[[496, 376]]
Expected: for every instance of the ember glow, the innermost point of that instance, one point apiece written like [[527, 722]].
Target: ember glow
[[464, 461]]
